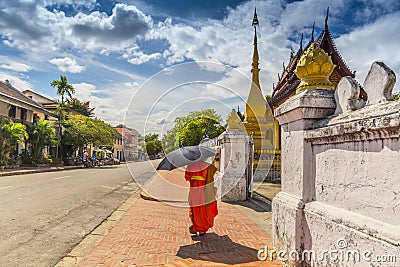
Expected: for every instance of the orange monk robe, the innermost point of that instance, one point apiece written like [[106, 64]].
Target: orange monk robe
[[203, 206]]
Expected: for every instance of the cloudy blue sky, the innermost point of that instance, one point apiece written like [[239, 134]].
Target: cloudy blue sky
[[146, 62]]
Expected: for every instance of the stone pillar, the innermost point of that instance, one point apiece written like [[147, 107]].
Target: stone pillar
[[234, 157], [295, 116]]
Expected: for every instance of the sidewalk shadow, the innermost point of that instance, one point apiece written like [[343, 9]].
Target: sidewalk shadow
[[254, 204], [219, 249]]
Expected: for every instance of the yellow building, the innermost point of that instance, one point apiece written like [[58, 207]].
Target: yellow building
[[19, 107]]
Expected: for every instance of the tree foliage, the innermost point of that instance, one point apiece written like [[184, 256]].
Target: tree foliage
[[80, 107], [41, 134], [63, 87], [11, 134], [199, 129], [396, 96], [153, 144], [81, 130], [170, 140]]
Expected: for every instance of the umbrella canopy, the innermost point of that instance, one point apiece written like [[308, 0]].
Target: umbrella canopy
[[186, 155]]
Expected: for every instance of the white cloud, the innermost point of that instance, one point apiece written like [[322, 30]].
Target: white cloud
[[83, 91], [110, 101], [137, 57], [15, 81], [16, 66], [377, 41], [67, 64], [53, 31], [108, 33]]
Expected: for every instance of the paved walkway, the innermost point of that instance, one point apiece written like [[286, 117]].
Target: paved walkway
[[153, 233]]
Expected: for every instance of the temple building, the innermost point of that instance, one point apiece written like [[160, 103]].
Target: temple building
[[288, 81], [266, 130]]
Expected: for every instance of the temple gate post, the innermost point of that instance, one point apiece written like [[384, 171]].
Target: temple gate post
[[234, 160]]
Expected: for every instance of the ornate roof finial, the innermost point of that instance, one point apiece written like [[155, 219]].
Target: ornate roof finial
[[283, 65], [301, 42], [314, 68], [273, 86], [326, 18], [255, 107], [255, 19], [291, 53], [312, 33], [279, 77], [255, 53]]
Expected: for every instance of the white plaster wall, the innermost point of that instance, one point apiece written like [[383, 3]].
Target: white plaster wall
[[363, 177], [286, 221], [234, 157], [330, 235]]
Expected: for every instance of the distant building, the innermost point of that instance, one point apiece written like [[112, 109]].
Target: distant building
[[131, 139], [118, 146]]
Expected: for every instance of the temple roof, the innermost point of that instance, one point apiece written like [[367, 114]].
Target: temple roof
[[288, 81]]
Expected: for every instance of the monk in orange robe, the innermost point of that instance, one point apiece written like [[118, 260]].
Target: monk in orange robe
[[202, 201]]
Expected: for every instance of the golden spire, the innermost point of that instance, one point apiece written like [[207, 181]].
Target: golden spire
[[314, 68], [256, 104]]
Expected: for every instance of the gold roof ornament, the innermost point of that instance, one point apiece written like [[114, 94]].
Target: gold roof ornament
[[314, 68], [233, 121]]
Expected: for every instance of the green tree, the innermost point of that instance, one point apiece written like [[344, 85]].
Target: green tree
[[41, 134], [80, 107], [153, 144], [80, 130], [396, 96], [198, 129], [170, 140], [63, 87], [11, 134]]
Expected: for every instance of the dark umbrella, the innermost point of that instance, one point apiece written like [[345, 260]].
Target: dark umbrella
[[186, 155]]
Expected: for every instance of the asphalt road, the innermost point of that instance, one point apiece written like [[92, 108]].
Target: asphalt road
[[44, 215]]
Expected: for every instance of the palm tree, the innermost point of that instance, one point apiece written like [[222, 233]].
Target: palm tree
[[11, 134], [63, 87]]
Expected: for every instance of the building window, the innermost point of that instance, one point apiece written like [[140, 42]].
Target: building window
[[12, 111], [23, 115]]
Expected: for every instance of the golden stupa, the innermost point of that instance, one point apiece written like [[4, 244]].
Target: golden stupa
[[259, 121]]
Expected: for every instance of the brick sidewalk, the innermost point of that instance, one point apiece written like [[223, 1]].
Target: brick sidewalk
[[153, 233]]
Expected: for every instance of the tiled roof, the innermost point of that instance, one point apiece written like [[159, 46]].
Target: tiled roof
[[14, 96], [288, 82]]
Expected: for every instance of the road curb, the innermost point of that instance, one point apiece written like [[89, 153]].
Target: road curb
[[54, 169]]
